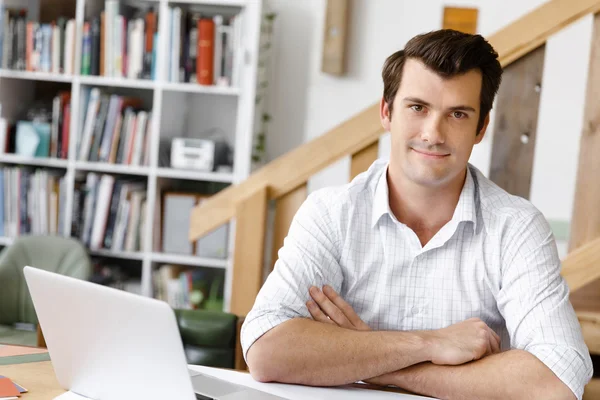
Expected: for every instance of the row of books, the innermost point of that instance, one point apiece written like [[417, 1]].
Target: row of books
[[188, 288], [113, 129], [31, 202], [204, 49], [121, 42], [31, 46], [109, 213]]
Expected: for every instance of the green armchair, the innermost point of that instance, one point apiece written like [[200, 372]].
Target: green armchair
[[211, 338], [53, 253]]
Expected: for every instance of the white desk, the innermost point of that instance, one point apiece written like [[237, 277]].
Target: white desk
[[294, 392]]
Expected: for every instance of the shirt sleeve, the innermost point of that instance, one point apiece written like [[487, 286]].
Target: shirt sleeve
[[309, 256], [534, 301]]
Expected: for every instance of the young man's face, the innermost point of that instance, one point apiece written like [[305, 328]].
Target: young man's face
[[433, 124]]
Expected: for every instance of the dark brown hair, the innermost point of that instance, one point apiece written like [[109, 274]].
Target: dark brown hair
[[448, 53]]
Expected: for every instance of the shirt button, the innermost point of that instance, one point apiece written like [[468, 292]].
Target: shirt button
[[415, 310]]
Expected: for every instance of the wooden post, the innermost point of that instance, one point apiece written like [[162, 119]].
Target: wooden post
[[516, 124], [285, 209], [248, 255], [363, 159], [585, 221]]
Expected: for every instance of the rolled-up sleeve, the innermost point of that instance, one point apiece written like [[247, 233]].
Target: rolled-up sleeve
[[309, 256], [534, 301]]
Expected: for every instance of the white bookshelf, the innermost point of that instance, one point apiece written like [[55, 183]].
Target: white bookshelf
[[118, 169], [36, 162], [35, 76], [195, 175], [178, 109], [189, 260]]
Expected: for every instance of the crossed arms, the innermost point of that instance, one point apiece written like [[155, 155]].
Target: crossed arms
[[289, 340], [462, 361]]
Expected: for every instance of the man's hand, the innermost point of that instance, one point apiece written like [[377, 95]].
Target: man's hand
[[463, 342], [327, 306], [457, 344]]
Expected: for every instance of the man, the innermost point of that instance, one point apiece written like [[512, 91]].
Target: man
[[421, 273]]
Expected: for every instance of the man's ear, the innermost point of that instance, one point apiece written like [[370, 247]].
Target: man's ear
[[483, 129], [385, 114]]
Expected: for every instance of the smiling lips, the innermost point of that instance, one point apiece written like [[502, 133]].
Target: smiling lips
[[430, 155]]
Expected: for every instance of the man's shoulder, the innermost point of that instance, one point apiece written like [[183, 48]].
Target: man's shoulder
[[358, 192], [497, 204]]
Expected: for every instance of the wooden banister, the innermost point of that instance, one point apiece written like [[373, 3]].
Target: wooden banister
[[533, 29], [582, 265], [251, 222], [359, 132]]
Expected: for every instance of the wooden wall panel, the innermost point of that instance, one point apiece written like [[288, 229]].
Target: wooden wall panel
[[335, 37], [460, 19], [585, 222], [515, 126], [362, 160]]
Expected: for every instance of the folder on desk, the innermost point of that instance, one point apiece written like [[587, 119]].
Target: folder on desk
[[7, 389]]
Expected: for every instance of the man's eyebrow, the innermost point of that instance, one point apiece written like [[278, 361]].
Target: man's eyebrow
[[417, 100]]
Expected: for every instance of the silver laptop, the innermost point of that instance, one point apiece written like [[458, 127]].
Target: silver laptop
[[108, 344]]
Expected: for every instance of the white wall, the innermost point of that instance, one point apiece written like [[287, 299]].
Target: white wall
[[305, 102]]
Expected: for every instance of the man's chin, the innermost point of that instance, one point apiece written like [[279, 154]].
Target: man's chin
[[430, 178]]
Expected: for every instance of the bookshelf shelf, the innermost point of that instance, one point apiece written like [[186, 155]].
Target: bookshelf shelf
[[117, 82], [120, 169], [226, 3], [195, 88], [193, 261], [33, 161], [125, 255], [35, 76], [118, 109], [194, 175]]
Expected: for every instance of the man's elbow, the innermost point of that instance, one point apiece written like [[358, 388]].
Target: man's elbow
[[556, 390], [258, 362]]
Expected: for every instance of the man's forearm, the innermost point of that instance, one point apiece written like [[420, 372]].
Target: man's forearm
[[311, 353], [514, 374]]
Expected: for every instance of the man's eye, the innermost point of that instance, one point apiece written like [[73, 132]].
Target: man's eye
[[458, 114], [417, 108]]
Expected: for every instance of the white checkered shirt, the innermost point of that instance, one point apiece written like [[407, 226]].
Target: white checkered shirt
[[496, 260]]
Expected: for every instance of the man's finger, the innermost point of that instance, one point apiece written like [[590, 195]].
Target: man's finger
[[489, 347], [346, 308], [330, 309], [495, 341], [316, 313]]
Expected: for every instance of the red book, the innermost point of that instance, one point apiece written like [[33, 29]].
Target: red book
[[206, 46]]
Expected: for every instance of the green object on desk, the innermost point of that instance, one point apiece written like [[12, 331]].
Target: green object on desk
[[23, 359]]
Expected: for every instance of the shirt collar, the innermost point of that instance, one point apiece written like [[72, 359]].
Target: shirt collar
[[465, 208]]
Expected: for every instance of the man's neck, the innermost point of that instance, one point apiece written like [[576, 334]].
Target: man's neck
[[423, 209]]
